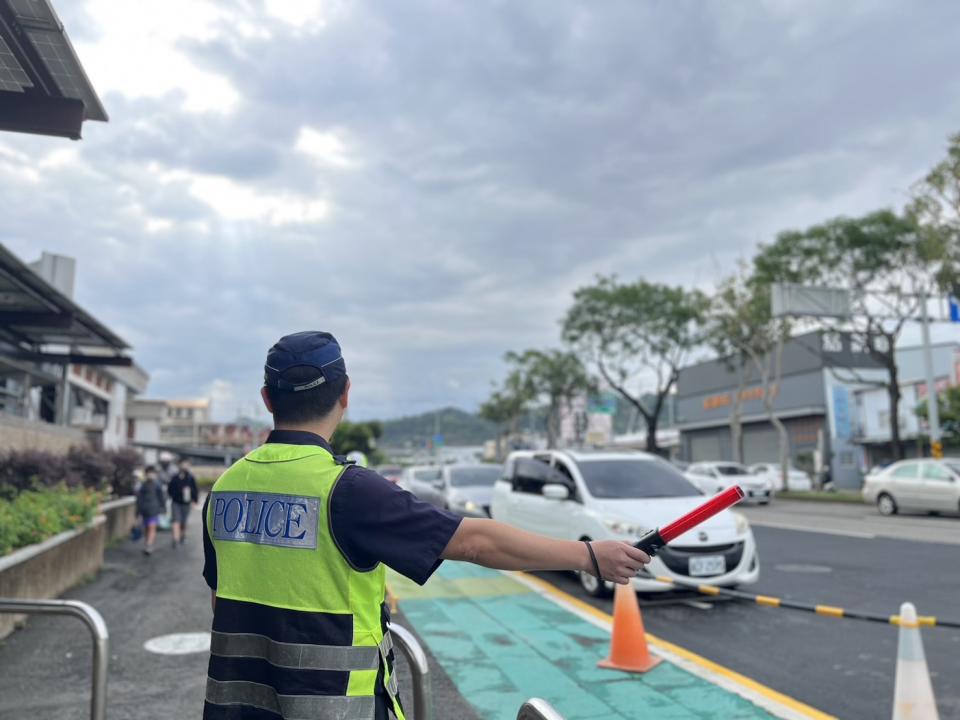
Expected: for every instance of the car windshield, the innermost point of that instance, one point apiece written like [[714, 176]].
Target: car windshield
[[478, 475], [954, 467], [427, 474], [608, 479], [732, 470]]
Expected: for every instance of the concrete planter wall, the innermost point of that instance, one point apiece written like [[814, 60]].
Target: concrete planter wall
[[121, 515], [49, 568]]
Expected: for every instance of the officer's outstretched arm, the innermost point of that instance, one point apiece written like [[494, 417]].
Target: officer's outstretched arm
[[497, 545]]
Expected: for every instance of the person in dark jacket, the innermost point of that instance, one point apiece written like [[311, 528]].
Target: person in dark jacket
[[182, 489], [150, 505]]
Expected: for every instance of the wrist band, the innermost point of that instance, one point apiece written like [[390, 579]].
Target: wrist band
[[593, 559]]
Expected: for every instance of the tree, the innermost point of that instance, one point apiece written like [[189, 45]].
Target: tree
[[742, 328], [634, 332], [948, 403], [505, 407], [886, 264], [935, 208], [358, 437], [553, 376]]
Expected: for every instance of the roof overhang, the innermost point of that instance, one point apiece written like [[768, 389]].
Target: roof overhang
[[40, 324], [43, 86]]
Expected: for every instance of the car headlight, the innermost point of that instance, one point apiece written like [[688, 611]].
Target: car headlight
[[621, 527], [471, 506], [742, 524]]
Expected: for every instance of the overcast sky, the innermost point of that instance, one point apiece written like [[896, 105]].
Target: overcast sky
[[430, 181]]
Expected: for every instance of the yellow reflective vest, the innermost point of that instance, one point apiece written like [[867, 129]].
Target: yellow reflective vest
[[297, 631]]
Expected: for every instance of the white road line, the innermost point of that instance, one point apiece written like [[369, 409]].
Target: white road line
[[805, 528]]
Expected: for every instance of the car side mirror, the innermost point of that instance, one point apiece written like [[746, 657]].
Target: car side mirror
[[555, 491]]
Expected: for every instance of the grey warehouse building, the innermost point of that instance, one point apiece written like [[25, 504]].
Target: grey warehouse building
[[814, 399]]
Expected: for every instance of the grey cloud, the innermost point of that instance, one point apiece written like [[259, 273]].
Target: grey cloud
[[508, 153]]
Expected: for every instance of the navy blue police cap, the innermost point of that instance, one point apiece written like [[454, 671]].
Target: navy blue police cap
[[312, 349]]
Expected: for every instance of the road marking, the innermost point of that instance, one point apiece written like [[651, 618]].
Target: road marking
[[179, 643], [803, 568], [804, 528], [782, 706]]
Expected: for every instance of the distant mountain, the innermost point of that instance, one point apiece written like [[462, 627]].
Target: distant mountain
[[456, 426]]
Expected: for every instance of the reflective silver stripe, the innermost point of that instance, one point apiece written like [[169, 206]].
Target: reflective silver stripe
[[386, 645], [293, 655], [290, 707]]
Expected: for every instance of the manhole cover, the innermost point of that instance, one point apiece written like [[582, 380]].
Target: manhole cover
[[179, 643], [802, 568]]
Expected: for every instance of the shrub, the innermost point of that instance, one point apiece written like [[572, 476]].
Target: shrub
[[124, 461], [35, 515], [22, 470]]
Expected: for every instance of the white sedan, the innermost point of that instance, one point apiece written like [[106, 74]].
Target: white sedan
[[714, 477], [577, 495], [797, 480]]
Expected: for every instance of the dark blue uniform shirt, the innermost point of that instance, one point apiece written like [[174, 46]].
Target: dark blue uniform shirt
[[372, 521]]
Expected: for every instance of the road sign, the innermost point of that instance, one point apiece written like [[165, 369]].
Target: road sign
[[801, 300], [954, 309]]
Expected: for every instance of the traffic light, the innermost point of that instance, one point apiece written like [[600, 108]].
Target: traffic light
[[936, 449]]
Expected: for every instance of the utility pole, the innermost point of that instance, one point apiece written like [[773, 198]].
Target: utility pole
[[933, 410]]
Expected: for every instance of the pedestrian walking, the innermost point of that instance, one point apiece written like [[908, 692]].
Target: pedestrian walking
[[150, 505], [296, 545], [183, 493]]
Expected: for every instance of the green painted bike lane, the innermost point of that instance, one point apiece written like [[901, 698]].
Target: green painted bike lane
[[502, 643]]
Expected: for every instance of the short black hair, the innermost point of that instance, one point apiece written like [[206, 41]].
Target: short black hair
[[149, 468], [290, 406]]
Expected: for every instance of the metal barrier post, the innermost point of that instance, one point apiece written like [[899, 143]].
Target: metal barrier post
[[98, 632], [537, 709], [422, 697]]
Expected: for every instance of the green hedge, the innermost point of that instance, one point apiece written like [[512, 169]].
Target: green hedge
[[35, 515], [110, 471]]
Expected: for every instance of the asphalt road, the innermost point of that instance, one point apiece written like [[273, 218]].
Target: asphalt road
[[855, 520], [841, 666], [45, 666]]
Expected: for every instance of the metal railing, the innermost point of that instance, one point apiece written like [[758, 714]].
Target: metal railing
[[537, 709], [98, 632], [417, 658]]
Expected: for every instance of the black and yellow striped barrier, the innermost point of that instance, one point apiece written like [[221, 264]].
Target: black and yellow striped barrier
[[827, 610]]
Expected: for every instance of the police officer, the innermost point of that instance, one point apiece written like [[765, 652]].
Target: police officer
[[296, 541]]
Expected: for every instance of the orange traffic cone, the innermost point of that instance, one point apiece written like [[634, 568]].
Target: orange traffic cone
[[628, 643]]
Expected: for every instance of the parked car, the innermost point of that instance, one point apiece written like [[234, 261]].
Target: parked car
[[467, 489], [391, 472], [930, 485], [714, 477], [797, 480], [419, 479], [576, 495]]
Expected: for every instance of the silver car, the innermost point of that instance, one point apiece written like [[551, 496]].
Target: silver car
[[925, 485], [469, 488]]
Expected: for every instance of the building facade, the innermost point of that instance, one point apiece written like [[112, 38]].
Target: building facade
[[814, 399]]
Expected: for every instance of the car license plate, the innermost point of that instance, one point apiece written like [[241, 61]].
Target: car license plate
[[708, 565]]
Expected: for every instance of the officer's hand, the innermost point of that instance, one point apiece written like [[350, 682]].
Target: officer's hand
[[618, 561]]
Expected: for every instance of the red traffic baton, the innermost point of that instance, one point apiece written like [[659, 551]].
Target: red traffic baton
[[653, 541]]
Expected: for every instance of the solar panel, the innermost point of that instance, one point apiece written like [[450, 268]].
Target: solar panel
[[61, 62], [32, 10], [12, 76]]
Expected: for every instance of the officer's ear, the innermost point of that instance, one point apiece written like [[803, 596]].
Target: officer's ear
[[345, 397], [266, 399]]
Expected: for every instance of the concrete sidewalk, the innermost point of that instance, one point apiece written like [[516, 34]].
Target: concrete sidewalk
[[502, 642]]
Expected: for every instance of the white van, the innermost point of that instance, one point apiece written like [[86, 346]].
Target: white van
[[574, 495]]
